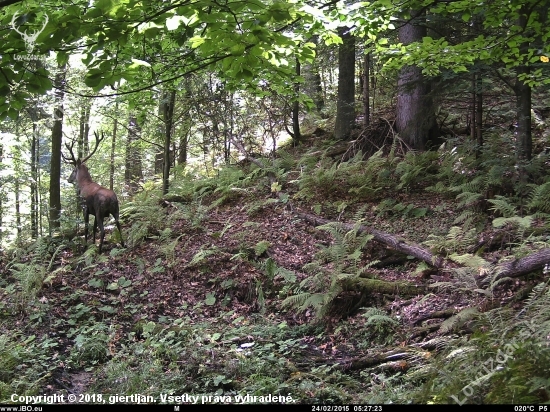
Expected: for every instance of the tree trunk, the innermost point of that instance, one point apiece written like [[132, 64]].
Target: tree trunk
[[1, 197], [17, 207], [415, 119], [296, 109], [113, 146], [83, 142], [134, 171], [479, 109], [34, 181], [313, 86], [168, 117], [55, 165], [523, 99], [345, 104], [366, 90], [182, 155]]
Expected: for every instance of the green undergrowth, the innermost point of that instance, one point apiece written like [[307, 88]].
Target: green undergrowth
[[303, 333]]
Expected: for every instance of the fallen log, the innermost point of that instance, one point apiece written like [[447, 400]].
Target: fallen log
[[392, 241], [522, 266], [369, 286]]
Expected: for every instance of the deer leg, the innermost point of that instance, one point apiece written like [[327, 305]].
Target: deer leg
[[86, 223], [115, 215], [95, 227], [101, 231], [119, 231]]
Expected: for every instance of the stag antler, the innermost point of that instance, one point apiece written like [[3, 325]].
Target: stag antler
[[73, 159], [29, 39]]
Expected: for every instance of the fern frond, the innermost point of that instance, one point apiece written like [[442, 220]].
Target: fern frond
[[502, 205], [456, 321]]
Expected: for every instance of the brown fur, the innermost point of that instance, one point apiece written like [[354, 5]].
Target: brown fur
[[98, 201]]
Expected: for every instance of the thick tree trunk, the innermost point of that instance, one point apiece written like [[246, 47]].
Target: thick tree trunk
[[345, 104], [415, 119]]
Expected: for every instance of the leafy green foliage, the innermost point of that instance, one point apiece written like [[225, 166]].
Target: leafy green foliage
[[325, 285]]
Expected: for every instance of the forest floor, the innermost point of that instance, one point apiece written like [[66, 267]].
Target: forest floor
[[211, 281]]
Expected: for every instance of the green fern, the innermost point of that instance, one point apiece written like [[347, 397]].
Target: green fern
[[457, 240], [457, 321], [539, 198], [503, 206]]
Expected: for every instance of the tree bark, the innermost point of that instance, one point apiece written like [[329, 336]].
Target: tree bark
[[313, 86], [415, 118], [134, 172], [370, 286], [1, 197], [34, 181], [55, 165], [345, 104], [168, 117], [113, 146], [525, 265], [523, 98], [296, 110], [366, 90]]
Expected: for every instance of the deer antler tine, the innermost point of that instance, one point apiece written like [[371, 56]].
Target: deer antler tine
[[72, 159], [97, 142]]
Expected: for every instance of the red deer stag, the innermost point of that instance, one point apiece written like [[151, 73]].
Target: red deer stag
[[97, 200]]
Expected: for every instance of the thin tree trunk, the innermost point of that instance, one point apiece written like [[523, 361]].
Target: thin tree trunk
[[133, 169], [366, 90], [113, 146], [1, 196], [83, 142], [479, 109], [523, 99], [17, 208], [34, 181], [168, 114], [296, 109], [55, 165], [345, 104]]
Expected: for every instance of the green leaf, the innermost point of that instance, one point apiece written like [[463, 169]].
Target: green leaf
[[112, 286], [196, 41], [210, 299], [95, 283], [108, 309]]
